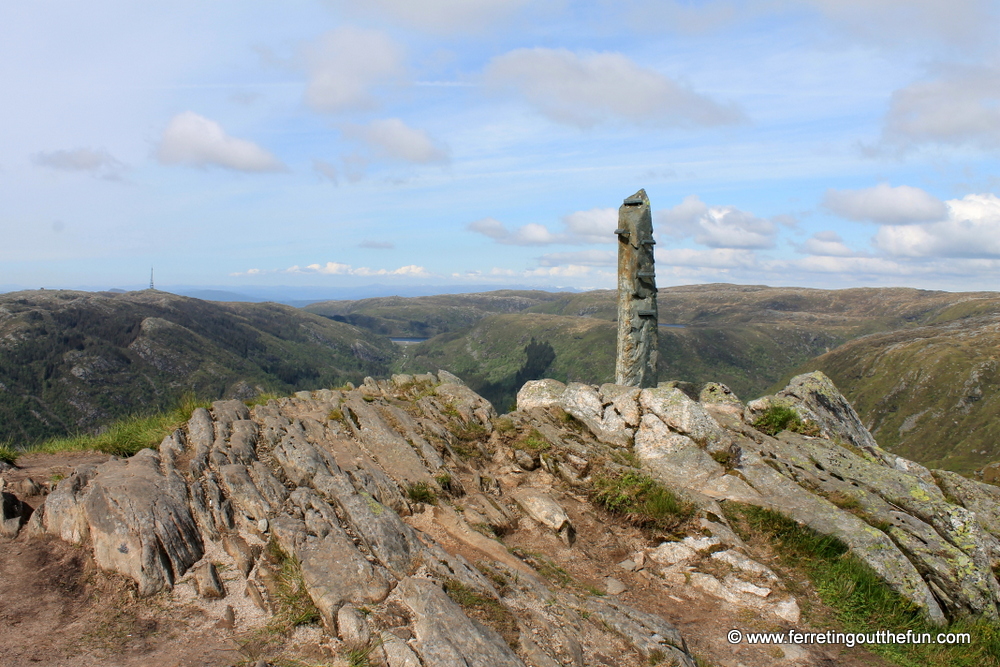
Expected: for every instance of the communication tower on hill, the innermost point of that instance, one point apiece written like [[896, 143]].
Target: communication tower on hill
[[151, 278]]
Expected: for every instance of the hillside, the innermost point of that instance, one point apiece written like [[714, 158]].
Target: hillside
[[72, 361], [749, 337], [501, 352], [426, 316], [929, 393]]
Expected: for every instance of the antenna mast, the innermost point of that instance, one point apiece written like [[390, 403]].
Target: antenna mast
[[151, 278]]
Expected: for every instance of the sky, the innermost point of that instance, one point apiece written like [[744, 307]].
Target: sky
[[488, 143]]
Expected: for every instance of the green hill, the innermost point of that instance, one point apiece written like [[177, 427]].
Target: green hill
[[73, 361], [917, 364], [426, 316], [932, 393]]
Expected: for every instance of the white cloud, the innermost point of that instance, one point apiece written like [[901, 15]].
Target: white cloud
[[81, 159], [377, 245], [584, 90], [581, 258], [971, 230], [339, 269], [716, 226], [956, 22], [567, 271], [345, 64], [885, 204], [716, 258], [393, 138], [960, 107], [326, 170], [853, 267], [195, 140], [596, 225], [530, 234], [439, 16], [826, 244]]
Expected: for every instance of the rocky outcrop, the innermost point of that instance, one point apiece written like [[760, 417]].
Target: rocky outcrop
[[932, 535], [325, 483], [393, 498]]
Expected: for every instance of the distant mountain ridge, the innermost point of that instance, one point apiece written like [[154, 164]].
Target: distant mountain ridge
[[73, 361], [751, 337]]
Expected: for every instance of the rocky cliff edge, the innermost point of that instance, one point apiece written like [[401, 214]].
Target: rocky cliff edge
[[390, 498]]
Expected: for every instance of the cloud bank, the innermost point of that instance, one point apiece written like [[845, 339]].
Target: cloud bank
[[194, 140], [584, 90]]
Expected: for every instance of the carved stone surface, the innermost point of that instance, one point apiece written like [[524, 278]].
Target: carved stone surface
[[637, 313]]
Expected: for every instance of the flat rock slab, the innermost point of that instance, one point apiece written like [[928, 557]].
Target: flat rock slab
[[446, 637]]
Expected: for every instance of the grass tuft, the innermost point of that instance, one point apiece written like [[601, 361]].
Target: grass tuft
[[421, 492], [8, 454], [533, 441], [860, 598], [127, 436], [484, 609], [295, 607], [361, 656], [779, 418], [641, 500]]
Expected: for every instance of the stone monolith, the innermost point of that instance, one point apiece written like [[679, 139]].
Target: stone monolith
[[637, 316]]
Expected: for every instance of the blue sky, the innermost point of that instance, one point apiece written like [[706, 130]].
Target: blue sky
[[823, 143]]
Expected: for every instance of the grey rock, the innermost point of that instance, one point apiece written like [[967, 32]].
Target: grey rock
[[26, 488], [675, 459], [445, 636], [540, 394], [13, 514], [352, 627], [201, 433], [397, 653], [613, 586], [206, 578], [444, 377], [628, 565], [542, 508], [394, 454], [673, 407], [137, 518], [638, 334], [333, 570], [525, 460], [647, 632], [243, 492], [269, 486], [240, 552], [534, 653], [230, 411], [200, 511], [243, 442]]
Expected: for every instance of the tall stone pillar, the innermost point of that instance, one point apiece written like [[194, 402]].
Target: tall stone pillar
[[637, 316]]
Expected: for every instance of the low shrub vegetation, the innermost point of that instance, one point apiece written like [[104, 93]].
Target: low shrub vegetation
[[533, 441], [779, 418], [641, 500], [860, 599], [127, 436], [421, 492], [8, 454]]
